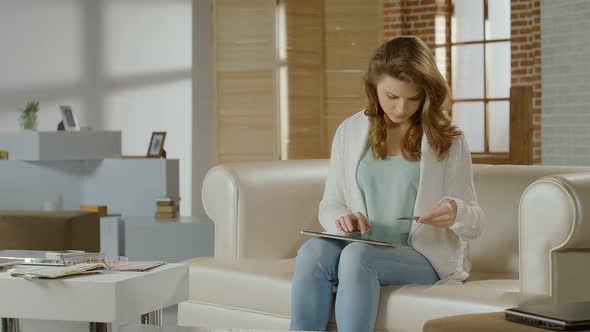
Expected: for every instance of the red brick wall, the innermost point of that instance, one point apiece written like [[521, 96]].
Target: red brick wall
[[409, 17], [416, 17], [526, 59]]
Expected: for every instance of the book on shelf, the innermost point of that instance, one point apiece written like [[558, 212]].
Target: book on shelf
[[167, 209], [167, 203], [166, 215], [168, 199], [100, 209]]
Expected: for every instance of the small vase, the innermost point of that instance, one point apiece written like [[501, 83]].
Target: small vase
[[29, 122]]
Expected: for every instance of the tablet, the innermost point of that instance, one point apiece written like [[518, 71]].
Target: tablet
[[349, 238]]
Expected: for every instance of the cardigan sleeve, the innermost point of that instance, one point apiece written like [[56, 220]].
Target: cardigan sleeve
[[470, 219], [333, 204]]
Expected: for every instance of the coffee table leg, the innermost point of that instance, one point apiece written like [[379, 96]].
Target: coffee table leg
[[100, 327], [152, 318], [11, 325]]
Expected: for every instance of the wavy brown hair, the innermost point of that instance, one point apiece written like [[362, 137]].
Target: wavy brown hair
[[408, 59]]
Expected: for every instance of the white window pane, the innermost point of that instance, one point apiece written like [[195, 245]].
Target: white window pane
[[498, 23], [467, 66], [499, 126], [469, 116], [440, 54], [498, 70], [467, 23]]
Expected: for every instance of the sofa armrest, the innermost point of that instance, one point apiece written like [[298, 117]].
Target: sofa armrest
[[259, 207], [554, 237]]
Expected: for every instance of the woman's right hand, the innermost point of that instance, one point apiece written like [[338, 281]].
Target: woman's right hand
[[353, 222]]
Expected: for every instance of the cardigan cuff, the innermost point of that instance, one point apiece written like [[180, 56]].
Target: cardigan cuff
[[459, 223]]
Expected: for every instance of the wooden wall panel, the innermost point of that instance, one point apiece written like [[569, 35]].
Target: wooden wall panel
[[288, 72], [353, 30], [246, 84], [521, 125]]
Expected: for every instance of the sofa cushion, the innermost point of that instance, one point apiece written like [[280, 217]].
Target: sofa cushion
[[264, 286], [256, 285]]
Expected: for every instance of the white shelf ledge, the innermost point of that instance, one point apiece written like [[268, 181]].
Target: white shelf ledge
[[32, 145]]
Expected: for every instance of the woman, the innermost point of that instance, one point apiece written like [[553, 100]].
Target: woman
[[401, 156]]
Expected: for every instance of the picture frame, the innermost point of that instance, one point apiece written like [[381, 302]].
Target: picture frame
[[68, 118], [156, 147]]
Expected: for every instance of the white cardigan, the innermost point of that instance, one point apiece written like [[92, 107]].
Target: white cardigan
[[445, 248]]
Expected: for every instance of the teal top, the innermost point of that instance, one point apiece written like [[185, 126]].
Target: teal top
[[389, 188]]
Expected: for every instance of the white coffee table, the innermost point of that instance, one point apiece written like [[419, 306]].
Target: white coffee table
[[105, 300]]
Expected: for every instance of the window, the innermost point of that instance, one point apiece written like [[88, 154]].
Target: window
[[473, 39]]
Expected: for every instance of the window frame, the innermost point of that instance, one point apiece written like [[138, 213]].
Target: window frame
[[486, 156]]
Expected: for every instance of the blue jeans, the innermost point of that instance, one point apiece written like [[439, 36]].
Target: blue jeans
[[359, 270]]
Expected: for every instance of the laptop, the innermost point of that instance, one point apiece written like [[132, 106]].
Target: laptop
[[573, 316], [353, 237]]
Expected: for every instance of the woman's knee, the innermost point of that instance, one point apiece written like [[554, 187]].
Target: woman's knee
[[318, 253], [354, 261]]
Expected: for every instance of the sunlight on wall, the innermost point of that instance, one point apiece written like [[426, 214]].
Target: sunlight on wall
[[139, 112], [121, 64], [144, 42], [147, 36], [41, 43]]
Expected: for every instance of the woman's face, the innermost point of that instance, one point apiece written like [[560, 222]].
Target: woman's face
[[398, 99]]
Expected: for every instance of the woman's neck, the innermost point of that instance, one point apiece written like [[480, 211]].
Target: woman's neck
[[395, 134]]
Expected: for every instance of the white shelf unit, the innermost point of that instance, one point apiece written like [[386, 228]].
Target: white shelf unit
[[33, 145], [80, 167]]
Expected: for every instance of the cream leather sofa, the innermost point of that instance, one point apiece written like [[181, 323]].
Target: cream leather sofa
[[537, 229]]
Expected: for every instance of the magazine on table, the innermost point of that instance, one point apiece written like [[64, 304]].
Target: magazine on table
[[52, 272], [138, 266]]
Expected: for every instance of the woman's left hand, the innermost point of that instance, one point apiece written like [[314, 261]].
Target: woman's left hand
[[442, 215]]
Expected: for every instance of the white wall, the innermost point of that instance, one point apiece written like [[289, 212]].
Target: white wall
[[122, 64], [203, 118], [565, 51]]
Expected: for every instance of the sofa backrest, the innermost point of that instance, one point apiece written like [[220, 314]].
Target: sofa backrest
[[499, 189], [259, 208]]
